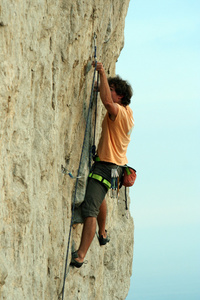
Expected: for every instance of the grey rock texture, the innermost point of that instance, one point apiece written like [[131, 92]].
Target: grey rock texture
[[46, 50]]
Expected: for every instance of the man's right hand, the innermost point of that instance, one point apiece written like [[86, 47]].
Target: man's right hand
[[99, 67]]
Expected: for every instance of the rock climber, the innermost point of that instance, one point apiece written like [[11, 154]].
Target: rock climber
[[115, 95]]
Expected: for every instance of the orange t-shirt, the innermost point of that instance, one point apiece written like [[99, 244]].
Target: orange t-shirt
[[115, 137]]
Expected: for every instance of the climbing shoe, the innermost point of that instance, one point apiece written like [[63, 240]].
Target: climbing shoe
[[74, 262], [102, 240]]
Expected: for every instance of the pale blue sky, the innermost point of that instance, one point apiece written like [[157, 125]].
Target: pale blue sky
[[161, 60]]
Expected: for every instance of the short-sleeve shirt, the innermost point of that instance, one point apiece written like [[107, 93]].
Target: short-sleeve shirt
[[115, 136]]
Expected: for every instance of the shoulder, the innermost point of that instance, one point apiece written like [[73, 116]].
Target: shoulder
[[125, 111], [125, 115]]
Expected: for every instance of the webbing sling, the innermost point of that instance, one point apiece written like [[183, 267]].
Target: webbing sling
[[101, 179]]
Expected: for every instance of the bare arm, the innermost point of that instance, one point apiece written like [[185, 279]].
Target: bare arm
[[105, 93]]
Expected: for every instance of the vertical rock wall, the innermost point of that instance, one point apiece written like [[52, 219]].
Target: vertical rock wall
[[46, 50]]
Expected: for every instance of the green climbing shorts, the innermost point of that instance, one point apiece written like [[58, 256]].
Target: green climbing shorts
[[96, 190]]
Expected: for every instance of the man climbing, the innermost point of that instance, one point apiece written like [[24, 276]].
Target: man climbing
[[115, 94]]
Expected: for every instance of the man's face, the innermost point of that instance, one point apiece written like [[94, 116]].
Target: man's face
[[116, 98]]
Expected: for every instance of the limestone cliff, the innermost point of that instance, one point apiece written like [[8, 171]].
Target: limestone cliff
[[46, 50]]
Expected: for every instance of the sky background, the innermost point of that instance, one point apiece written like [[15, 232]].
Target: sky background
[[161, 60]]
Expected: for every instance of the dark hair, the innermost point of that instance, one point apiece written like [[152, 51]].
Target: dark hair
[[122, 88]]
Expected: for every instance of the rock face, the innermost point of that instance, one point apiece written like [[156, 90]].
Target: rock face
[[46, 50]]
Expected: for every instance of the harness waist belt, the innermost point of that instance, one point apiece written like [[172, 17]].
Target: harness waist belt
[[101, 179]]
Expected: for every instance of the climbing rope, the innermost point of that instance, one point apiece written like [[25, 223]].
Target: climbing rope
[[92, 152], [93, 147], [78, 172]]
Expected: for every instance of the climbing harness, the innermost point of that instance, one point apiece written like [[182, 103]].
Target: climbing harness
[[101, 179], [64, 170], [127, 180]]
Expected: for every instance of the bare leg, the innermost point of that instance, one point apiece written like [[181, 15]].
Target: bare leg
[[89, 229], [101, 219]]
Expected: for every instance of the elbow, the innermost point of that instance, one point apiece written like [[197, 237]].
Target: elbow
[[112, 109], [107, 101]]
